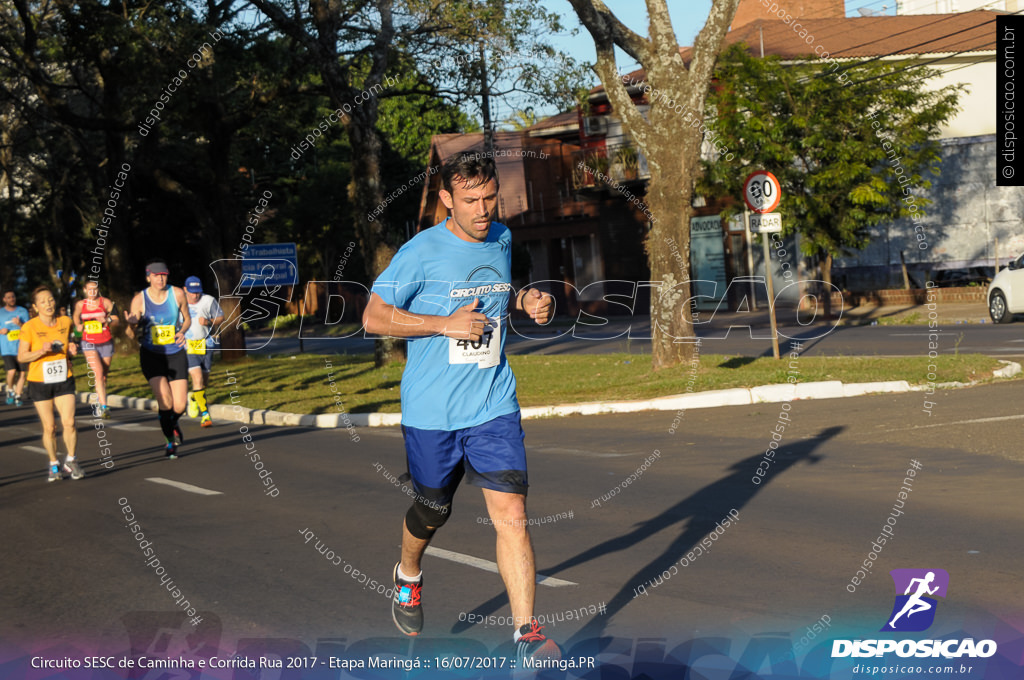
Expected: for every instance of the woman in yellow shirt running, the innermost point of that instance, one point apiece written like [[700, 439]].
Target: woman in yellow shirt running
[[45, 345]]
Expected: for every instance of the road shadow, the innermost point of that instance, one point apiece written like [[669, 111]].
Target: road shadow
[[694, 516]]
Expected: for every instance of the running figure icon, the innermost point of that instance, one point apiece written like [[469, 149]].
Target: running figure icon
[[915, 604]]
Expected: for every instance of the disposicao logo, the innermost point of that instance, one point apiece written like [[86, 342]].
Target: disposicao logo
[[914, 611]]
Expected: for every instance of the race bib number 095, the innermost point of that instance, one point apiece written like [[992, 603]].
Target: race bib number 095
[[162, 335], [485, 352]]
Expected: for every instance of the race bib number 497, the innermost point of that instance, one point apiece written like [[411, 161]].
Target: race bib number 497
[[485, 352]]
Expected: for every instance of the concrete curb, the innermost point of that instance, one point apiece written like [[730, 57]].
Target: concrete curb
[[741, 396]]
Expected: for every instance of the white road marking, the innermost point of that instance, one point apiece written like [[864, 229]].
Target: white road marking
[[36, 449], [960, 422], [492, 567], [134, 427], [184, 487]]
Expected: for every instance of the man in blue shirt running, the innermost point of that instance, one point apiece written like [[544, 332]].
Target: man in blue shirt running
[[12, 316], [447, 290]]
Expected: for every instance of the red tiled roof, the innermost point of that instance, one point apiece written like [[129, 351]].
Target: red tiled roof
[[872, 36], [858, 37], [557, 120]]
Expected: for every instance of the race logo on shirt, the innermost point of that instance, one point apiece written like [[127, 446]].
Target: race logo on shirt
[[484, 283]]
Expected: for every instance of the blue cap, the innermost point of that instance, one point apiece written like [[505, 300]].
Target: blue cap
[[193, 285]]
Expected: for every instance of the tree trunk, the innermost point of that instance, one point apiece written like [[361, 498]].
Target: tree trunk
[[676, 93], [826, 278], [669, 198]]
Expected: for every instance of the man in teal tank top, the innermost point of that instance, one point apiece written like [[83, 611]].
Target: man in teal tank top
[[158, 319]]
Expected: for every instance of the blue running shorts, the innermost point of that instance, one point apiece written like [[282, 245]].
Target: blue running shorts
[[490, 455]]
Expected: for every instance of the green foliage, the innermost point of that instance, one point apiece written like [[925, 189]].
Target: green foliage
[[829, 145]]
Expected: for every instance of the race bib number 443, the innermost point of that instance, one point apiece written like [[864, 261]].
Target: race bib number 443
[[485, 352]]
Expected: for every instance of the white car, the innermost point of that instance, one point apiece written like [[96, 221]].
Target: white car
[[1006, 292]]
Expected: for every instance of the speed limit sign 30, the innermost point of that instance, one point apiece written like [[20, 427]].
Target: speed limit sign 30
[[761, 191]]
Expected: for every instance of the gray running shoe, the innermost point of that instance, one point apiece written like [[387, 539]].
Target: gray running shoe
[[74, 469], [55, 475]]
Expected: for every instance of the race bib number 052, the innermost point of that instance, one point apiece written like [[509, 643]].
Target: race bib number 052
[[485, 352], [55, 371]]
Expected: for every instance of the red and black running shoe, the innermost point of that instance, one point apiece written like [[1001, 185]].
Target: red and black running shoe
[[406, 609]]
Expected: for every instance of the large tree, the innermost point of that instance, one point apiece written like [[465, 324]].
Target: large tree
[[672, 146], [849, 155]]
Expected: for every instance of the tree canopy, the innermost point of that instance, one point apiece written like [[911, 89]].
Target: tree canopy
[[848, 157]]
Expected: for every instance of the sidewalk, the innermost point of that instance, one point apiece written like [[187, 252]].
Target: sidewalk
[[831, 389], [948, 314]]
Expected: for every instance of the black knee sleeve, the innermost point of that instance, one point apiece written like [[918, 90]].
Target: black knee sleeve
[[167, 423], [424, 518]]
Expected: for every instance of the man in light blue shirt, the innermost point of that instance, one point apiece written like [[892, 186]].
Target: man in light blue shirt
[[447, 290], [12, 316]]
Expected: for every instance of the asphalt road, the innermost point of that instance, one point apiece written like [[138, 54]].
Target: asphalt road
[[73, 577], [1001, 341]]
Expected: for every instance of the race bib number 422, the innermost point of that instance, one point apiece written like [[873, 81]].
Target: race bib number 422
[[485, 352], [196, 346]]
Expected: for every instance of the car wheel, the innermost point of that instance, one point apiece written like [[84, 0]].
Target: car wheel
[[997, 308]]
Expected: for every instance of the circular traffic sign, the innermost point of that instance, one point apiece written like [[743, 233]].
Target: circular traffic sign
[[761, 191]]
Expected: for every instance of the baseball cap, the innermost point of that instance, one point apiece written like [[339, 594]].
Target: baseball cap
[[158, 267], [193, 285]]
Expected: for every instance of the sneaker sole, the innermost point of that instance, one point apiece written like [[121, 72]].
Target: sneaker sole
[[399, 627]]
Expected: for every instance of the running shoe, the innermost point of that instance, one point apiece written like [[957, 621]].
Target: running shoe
[[171, 452], [97, 411], [10, 399], [18, 401], [178, 434], [105, 413], [55, 475], [193, 408], [74, 469], [207, 421], [533, 645], [406, 610]]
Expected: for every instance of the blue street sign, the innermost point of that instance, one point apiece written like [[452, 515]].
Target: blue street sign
[[271, 264]]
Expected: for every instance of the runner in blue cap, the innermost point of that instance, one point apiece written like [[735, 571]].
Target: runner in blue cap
[[199, 345]]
